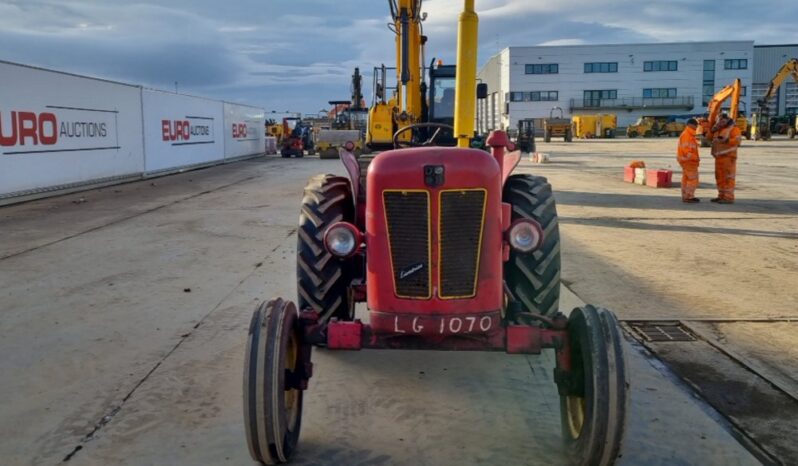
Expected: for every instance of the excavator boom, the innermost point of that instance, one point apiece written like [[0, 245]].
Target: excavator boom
[[787, 69], [389, 113], [761, 117], [732, 91]]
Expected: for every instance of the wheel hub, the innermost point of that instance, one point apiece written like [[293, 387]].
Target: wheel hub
[[575, 406]]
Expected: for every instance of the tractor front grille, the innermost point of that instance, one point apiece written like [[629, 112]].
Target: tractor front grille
[[462, 215], [407, 215]]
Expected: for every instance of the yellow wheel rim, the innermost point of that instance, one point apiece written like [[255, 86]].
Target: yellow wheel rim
[[292, 395], [575, 410]]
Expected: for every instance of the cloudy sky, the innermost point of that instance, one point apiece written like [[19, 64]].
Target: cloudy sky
[[298, 54]]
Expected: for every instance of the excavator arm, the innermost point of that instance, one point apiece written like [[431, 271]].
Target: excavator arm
[[761, 116], [787, 69], [406, 15], [732, 92], [388, 114]]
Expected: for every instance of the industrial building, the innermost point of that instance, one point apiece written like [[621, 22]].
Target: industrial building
[[629, 80]]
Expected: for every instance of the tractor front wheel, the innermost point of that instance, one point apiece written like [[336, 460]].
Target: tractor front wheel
[[272, 371], [323, 281], [534, 278], [594, 393]]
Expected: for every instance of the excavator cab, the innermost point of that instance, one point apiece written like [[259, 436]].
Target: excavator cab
[[441, 100]]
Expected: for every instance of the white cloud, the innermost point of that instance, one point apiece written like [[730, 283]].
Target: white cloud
[[564, 42], [300, 53]]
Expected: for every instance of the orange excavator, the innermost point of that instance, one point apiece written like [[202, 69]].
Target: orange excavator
[[714, 109]]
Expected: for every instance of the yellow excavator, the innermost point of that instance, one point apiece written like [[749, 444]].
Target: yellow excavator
[[705, 125], [760, 119], [390, 113], [413, 101]]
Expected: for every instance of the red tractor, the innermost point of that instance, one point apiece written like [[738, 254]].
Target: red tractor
[[450, 251]]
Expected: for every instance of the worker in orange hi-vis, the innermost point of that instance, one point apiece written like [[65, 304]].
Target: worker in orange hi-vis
[[724, 149], [687, 156]]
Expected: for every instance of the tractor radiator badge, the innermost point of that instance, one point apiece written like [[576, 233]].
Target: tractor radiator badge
[[410, 270]]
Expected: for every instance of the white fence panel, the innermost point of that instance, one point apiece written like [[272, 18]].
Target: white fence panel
[[245, 131], [58, 129], [181, 130]]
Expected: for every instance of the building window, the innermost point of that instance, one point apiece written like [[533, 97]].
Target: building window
[[546, 68], [594, 98], [708, 83], [736, 64], [543, 96], [661, 65], [611, 67], [791, 98], [659, 93], [534, 96]]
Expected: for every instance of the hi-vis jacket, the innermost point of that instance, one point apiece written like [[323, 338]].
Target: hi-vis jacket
[[726, 142], [688, 147]]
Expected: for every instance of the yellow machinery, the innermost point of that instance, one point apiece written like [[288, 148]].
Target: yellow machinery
[[655, 126], [389, 114], [275, 130], [432, 109], [465, 106], [714, 108], [760, 119], [595, 126], [558, 127]]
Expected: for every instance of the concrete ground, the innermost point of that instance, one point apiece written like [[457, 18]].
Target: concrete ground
[[123, 318]]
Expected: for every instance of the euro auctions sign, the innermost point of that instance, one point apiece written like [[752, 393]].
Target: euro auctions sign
[[189, 130], [245, 130], [57, 129]]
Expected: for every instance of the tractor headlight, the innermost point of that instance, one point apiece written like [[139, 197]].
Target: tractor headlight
[[342, 239], [525, 235]]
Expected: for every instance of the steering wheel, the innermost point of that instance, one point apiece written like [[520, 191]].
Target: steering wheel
[[397, 144]]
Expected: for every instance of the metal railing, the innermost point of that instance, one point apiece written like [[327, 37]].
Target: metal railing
[[632, 103]]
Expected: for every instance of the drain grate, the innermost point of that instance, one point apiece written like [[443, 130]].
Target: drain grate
[[662, 331]]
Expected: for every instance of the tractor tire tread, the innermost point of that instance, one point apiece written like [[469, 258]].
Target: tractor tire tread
[[534, 279], [323, 280]]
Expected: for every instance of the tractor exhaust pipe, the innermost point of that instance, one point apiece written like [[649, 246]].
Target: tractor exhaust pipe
[[466, 80]]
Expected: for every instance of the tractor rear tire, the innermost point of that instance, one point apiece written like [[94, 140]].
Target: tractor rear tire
[[534, 278], [272, 404], [323, 281], [594, 394]]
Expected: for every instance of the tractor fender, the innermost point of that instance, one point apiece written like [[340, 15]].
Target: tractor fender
[[353, 171], [511, 161]]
